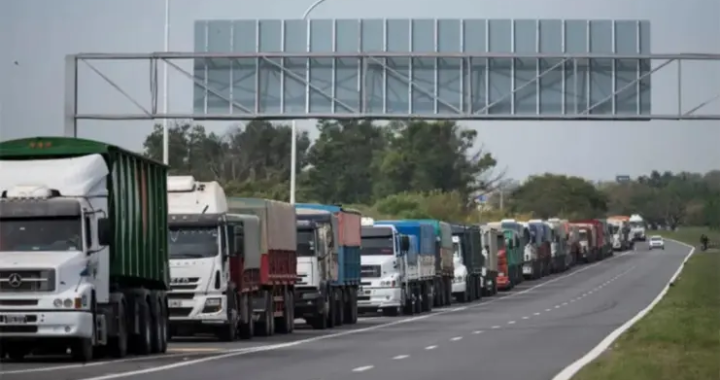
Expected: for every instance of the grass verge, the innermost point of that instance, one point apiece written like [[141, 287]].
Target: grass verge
[[680, 338]]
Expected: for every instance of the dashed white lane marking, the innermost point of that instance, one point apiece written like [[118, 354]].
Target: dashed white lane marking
[[430, 347], [564, 304], [271, 347], [548, 309], [363, 368], [526, 318], [557, 306], [477, 332], [455, 339], [496, 327], [511, 322], [401, 357], [536, 313]]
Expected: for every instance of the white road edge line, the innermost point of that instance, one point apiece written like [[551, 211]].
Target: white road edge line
[[272, 347], [401, 357], [575, 367], [363, 368]]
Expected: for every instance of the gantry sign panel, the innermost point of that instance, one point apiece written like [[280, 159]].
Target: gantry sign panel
[[431, 68]]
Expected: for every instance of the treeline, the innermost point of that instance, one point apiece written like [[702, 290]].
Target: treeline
[[419, 169]]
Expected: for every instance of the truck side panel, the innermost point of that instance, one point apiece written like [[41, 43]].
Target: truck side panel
[[476, 256], [138, 213]]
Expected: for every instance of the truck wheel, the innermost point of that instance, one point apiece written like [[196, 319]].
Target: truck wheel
[[353, 308], [118, 345], [320, 321], [82, 350], [340, 307], [266, 327], [143, 342], [159, 323], [332, 318], [284, 324], [247, 330]]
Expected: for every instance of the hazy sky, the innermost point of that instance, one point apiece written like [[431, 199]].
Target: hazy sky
[[37, 34]]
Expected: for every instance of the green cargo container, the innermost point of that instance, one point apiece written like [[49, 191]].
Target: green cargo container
[[137, 200]]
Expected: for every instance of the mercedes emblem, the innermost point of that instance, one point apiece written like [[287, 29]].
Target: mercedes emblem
[[15, 280]]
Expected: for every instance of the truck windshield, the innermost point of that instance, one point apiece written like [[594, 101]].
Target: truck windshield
[[48, 234], [457, 252], [193, 243], [305, 243], [583, 235], [377, 246], [636, 225]]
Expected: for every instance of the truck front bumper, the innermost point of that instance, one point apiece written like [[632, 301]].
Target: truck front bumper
[[379, 298], [45, 324], [195, 314], [459, 287]]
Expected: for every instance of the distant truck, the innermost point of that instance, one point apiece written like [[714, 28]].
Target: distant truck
[[592, 239], [444, 264], [395, 267], [273, 303], [214, 262], [515, 253], [83, 235], [637, 227], [493, 247], [331, 270], [620, 228], [469, 263], [559, 245]]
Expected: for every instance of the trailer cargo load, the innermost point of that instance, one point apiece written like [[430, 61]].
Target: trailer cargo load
[[274, 304], [349, 238], [56, 189]]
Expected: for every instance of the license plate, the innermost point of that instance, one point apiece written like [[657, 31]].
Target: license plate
[[12, 318], [526, 270], [175, 303]]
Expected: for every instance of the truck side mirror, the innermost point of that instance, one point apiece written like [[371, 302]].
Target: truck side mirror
[[104, 236], [404, 243]]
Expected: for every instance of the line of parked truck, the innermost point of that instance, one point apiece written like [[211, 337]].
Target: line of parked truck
[[103, 253]]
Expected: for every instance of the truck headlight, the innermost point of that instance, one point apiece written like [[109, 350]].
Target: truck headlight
[[388, 283], [213, 302], [57, 302]]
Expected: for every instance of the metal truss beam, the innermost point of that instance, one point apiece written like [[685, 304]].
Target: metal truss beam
[[370, 63]]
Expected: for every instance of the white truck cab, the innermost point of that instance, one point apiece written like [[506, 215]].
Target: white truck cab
[[51, 264], [383, 269], [459, 283], [637, 228], [198, 276]]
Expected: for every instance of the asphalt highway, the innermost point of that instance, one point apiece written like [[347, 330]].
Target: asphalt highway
[[530, 333]]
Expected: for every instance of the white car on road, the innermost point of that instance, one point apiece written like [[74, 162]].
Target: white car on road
[[656, 242]]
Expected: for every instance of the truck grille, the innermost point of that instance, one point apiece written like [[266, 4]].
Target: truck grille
[[184, 283], [14, 281], [371, 271]]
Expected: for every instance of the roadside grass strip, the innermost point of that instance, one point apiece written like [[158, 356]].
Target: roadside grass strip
[[679, 339]]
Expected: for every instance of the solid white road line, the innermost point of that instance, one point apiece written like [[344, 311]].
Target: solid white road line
[[572, 369]]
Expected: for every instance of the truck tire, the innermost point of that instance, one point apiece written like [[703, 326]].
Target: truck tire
[[246, 330], [266, 326], [332, 317], [142, 342], [118, 345], [229, 332], [417, 303], [283, 325], [160, 323], [320, 321], [82, 350], [353, 306], [408, 307], [340, 307]]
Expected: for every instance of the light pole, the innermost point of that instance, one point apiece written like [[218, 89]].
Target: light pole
[[293, 134], [166, 137]]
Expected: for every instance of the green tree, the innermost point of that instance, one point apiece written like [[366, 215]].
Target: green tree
[[552, 195], [425, 156], [343, 162]]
